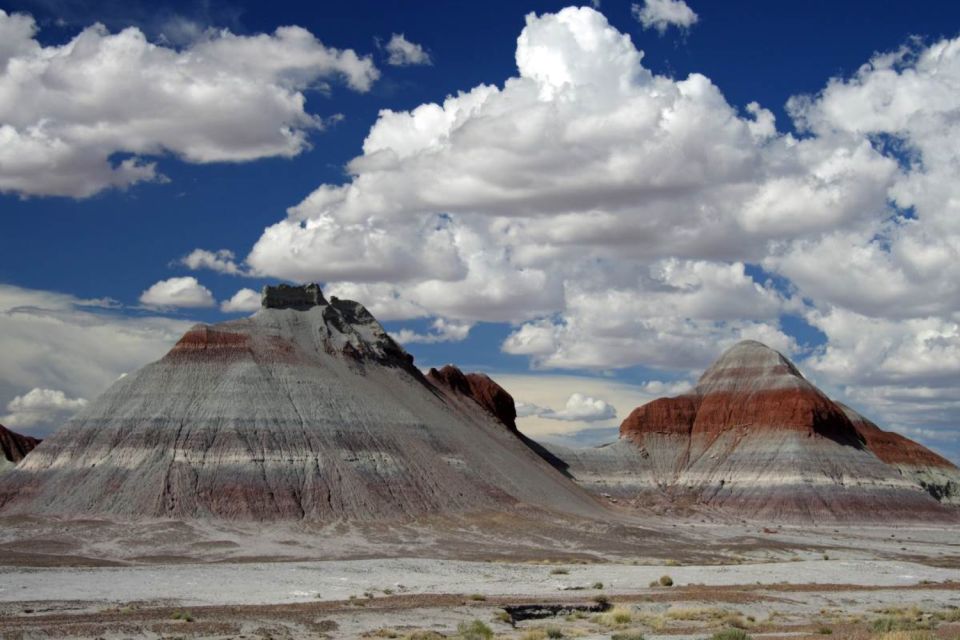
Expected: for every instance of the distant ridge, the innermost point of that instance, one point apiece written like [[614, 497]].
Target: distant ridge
[[14, 447], [755, 438]]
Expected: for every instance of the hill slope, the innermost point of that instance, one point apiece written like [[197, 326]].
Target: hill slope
[[757, 439], [306, 410]]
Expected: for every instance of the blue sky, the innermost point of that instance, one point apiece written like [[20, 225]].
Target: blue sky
[[715, 245]]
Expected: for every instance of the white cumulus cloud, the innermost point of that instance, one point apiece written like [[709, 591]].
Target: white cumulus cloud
[[222, 261], [83, 116], [620, 218], [244, 300], [582, 408], [441, 330], [40, 406], [404, 53], [178, 292], [56, 341], [663, 14]]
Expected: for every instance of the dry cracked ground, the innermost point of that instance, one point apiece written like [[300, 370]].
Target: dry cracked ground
[[519, 577]]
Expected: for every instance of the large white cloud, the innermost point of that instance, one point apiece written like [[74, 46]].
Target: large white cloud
[[244, 300], [582, 408], [613, 214], [78, 347], [67, 111], [178, 292], [504, 204], [40, 407]]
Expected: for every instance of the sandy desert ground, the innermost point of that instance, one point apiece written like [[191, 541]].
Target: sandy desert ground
[[155, 579]]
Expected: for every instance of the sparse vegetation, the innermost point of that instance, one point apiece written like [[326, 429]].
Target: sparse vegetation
[[478, 597], [672, 563], [503, 616], [730, 634], [554, 632], [615, 617], [627, 635], [182, 615], [603, 601], [598, 585], [474, 630], [824, 631], [424, 635], [666, 581], [948, 615], [906, 635], [886, 624], [559, 571]]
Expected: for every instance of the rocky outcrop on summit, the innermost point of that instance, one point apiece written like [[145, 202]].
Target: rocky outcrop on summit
[[755, 438], [479, 388], [14, 447], [306, 410]]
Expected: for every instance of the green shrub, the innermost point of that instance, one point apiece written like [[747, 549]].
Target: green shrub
[[666, 581], [479, 597], [474, 630]]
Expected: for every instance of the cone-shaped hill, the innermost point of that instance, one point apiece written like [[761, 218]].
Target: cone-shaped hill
[[14, 447], [306, 410], [755, 438]]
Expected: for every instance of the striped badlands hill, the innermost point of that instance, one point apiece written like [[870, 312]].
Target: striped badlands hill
[[307, 410], [14, 447], [937, 475], [757, 439]]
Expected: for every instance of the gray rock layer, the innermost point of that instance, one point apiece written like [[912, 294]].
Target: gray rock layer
[[756, 439], [308, 413]]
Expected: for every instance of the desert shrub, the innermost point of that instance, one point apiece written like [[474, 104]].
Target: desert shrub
[[474, 630], [627, 635], [534, 634], [698, 613], [602, 601], [730, 634], [598, 585], [616, 616], [905, 635], [479, 597], [672, 563], [666, 581], [948, 615], [560, 571], [182, 615], [424, 635], [504, 617], [824, 631], [554, 632], [735, 620], [886, 624]]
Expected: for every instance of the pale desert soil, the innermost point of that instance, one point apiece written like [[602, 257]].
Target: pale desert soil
[[99, 578]]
